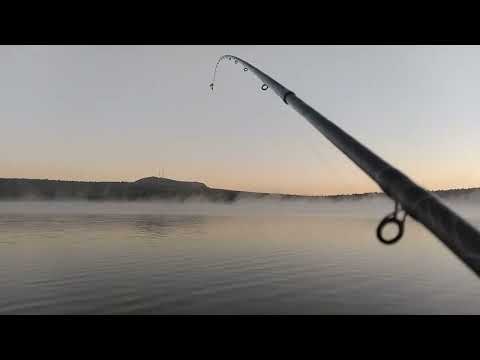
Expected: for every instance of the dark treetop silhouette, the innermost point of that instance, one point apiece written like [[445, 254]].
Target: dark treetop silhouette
[[456, 233]]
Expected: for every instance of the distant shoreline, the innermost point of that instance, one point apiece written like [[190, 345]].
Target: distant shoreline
[[156, 188]]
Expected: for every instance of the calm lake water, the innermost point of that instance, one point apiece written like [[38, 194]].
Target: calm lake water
[[246, 258]]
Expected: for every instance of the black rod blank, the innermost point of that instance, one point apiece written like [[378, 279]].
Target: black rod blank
[[425, 207]]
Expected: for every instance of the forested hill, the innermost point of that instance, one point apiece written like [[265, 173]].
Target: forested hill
[[151, 188]]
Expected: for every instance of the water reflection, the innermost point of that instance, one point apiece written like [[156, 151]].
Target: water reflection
[[158, 226], [101, 259]]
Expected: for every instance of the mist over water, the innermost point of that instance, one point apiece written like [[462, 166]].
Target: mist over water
[[247, 257], [196, 206]]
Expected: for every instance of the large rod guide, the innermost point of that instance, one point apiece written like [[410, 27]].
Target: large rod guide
[[410, 199]]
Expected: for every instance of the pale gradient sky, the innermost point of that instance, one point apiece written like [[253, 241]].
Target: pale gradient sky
[[120, 113]]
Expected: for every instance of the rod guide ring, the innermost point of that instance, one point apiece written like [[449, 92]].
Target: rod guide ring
[[383, 223], [392, 219]]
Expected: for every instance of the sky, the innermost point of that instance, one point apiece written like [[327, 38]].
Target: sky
[[121, 113]]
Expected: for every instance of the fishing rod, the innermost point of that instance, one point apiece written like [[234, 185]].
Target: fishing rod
[[410, 199]]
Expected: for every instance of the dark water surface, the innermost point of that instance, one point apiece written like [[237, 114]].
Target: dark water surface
[[108, 258]]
